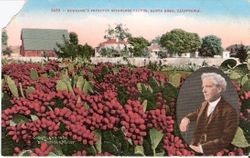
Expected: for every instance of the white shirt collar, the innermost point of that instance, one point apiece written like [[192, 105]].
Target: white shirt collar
[[214, 103], [212, 106]]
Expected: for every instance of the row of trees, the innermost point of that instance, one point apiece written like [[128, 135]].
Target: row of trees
[[177, 41]]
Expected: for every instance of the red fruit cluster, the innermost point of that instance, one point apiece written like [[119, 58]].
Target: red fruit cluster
[[7, 114], [50, 126], [129, 79], [29, 130], [36, 102], [26, 131], [43, 150], [73, 101], [235, 152], [101, 87], [126, 78], [160, 102], [42, 98], [132, 91], [19, 70], [74, 127], [73, 115], [20, 73], [158, 119], [109, 78], [17, 150], [104, 111], [133, 121], [174, 146], [26, 107], [245, 95], [80, 153], [45, 84], [80, 134]]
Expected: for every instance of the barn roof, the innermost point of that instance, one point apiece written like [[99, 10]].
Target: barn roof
[[42, 39]]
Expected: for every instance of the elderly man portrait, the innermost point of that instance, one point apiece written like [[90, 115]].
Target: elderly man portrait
[[215, 120]]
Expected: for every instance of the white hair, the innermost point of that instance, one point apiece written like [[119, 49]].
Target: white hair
[[217, 78]]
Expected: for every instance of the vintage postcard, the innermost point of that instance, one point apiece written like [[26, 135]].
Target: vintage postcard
[[126, 78]]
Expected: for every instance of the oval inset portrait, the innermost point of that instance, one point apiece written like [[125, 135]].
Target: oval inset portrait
[[207, 110]]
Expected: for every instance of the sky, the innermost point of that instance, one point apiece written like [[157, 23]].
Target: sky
[[227, 19]]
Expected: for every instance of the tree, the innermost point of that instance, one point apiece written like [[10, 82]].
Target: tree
[[73, 38], [71, 49], [242, 54], [139, 46], [211, 45], [4, 38], [119, 32], [179, 41], [5, 49], [67, 49], [86, 51], [238, 51]]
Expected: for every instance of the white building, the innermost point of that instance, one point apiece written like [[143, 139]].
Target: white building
[[112, 44], [155, 50], [226, 54]]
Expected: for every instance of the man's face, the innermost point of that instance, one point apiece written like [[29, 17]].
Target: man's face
[[210, 91]]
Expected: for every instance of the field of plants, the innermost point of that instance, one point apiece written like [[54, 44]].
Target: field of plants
[[77, 109]]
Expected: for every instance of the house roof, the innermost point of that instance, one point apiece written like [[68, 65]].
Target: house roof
[[154, 46], [42, 39], [113, 41]]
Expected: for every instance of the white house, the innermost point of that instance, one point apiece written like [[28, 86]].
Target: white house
[[155, 50], [112, 44]]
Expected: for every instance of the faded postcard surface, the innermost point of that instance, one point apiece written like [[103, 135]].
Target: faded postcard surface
[[126, 78]]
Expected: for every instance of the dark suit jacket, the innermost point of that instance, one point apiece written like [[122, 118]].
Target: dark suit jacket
[[218, 131]]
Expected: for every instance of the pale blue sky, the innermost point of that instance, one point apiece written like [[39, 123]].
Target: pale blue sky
[[227, 19], [208, 8]]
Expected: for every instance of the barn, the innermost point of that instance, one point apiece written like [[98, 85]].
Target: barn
[[41, 42]]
